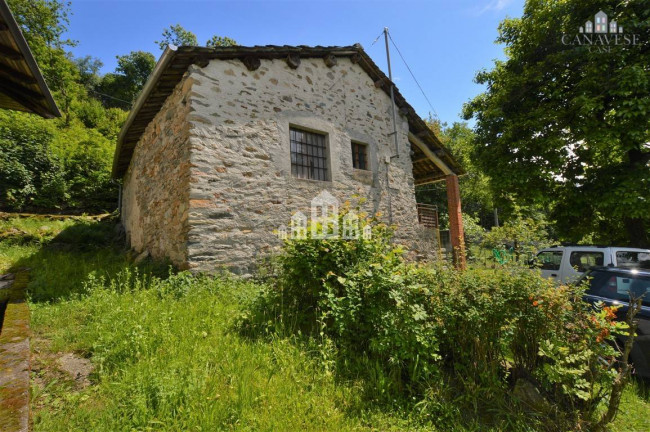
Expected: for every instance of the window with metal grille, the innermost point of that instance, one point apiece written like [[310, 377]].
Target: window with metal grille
[[308, 155], [359, 156]]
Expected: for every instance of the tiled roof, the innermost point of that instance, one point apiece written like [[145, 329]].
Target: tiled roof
[[175, 61]]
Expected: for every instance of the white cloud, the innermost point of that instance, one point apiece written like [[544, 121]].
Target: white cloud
[[495, 5]]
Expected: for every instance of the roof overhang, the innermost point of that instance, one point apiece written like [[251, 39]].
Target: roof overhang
[[430, 157], [22, 86]]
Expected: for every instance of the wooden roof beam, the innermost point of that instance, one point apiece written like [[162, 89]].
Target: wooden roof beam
[[10, 53], [17, 75], [442, 166], [421, 158], [419, 181]]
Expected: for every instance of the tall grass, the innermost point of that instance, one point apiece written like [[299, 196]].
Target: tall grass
[[61, 254], [168, 353], [166, 358]]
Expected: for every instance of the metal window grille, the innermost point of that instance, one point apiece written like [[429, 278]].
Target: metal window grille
[[359, 156], [308, 155]]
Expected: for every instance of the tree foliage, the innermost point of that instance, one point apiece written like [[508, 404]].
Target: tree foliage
[[178, 36], [475, 191], [220, 41], [64, 164], [119, 89], [567, 126], [30, 172]]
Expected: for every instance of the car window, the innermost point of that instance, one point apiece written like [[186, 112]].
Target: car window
[[618, 286], [581, 261], [549, 260], [633, 259]]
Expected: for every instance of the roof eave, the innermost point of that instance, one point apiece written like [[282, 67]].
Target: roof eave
[[50, 110], [148, 87], [416, 123]]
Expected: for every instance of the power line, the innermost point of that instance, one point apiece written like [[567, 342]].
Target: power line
[[377, 38], [111, 97], [413, 76]]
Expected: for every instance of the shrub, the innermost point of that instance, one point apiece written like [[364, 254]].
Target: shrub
[[359, 294], [488, 333], [524, 235], [43, 167], [31, 175]]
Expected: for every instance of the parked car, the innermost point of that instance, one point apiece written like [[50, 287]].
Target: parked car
[[612, 286], [567, 263]]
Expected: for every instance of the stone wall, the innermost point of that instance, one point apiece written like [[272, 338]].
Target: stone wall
[[156, 187], [241, 187]]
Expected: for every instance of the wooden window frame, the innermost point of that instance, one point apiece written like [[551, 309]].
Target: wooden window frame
[[360, 160]]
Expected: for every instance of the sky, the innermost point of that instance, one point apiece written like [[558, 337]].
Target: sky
[[443, 42]]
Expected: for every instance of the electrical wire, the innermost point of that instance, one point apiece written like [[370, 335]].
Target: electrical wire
[[111, 97], [412, 75], [377, 38]]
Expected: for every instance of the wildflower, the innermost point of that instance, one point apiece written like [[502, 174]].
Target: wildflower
[[602, 335], [610, 313]]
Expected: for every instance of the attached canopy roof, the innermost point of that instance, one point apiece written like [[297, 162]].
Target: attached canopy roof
[[22, 86], [431, 160]]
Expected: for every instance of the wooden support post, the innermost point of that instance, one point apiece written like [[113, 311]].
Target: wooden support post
[[455, 222]]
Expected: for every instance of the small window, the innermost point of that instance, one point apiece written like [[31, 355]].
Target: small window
[[360, 156], [549, 260], [633, 259], [308, 155], [583, 260]]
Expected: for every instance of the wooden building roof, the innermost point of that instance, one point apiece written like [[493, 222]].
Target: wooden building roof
[[431, 160], [22, 86]]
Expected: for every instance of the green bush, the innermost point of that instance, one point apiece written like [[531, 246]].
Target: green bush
[[487, 333], [43, 167], [31, 174]]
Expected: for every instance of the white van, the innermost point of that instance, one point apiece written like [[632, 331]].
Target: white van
[[568, 263]]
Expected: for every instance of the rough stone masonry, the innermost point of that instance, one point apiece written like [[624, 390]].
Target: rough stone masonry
[[210, 179]]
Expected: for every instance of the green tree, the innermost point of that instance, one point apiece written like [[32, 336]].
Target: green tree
[[63, 163], [43, 23], [119, 89], [89, 68], [136, 67], [567, 125], [475, 191], [31, 175], [177, 35], [219, 41]]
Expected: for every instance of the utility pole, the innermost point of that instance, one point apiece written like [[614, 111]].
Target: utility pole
[[392, 94]]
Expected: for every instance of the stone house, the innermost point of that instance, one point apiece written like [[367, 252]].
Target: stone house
[[224, 144]]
